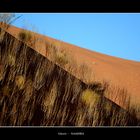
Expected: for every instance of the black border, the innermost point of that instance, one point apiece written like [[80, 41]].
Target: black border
[[73, 6], [50, 132], [61, 6]]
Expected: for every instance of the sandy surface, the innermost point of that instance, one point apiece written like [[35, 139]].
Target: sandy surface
[[119, 72]]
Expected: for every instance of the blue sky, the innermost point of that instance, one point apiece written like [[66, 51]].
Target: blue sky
[[112, 34]]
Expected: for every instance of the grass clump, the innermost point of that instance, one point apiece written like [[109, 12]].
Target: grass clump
[[28, 89], [11, 60], [20, 80], [25, 36], [6, 19], [58, 56], [61, 58], [89, 97], [91, 101]]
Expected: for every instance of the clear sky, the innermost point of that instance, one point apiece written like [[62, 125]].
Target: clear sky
[[113, 34]]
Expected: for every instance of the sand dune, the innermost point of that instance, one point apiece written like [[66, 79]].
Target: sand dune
[[119, 72]]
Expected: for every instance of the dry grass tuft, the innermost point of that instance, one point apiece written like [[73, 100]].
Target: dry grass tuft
[[25, 36], [11, 60], [28, 89], [19, 81], [49, 100], [89, 97]]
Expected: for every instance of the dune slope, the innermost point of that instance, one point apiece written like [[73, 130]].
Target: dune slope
[[119, 72]]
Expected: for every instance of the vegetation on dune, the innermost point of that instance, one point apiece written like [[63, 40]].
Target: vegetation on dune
[[62, 58], [6, 19], [19, 81], [35, 91], [90, 97], [57, 55], [25, 36]]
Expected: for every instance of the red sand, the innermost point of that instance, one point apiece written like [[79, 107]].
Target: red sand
[[120, 72]]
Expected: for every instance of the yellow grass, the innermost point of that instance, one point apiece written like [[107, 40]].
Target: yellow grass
[[89, 97], [19, 81]]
